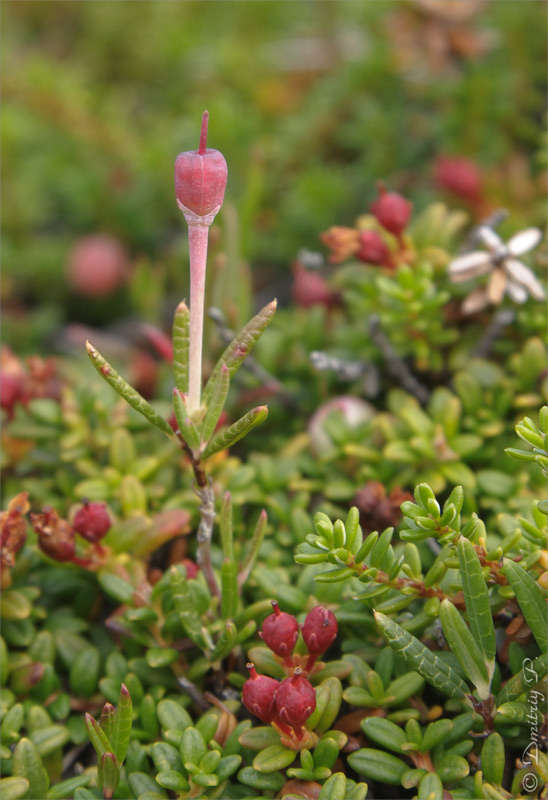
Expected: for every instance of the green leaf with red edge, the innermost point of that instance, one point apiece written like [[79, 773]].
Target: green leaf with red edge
[[240, 347]]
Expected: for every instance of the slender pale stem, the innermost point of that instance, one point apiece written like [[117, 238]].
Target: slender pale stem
[[205, 532], [197, 241]]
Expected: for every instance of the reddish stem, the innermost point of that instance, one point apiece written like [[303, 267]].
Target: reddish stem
[[203, 133]]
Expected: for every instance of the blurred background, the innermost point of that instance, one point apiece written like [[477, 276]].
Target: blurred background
[[311, 103]]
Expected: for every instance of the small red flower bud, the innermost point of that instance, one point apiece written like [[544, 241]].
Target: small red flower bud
[[392, 211], [280, 631], [258, 695], [319, 630], [372, 249], [200, 178], [55, 535], [98, 265], [311, 289], [192, 568], [11, 390], [92, 521], [295, 699], [461, 176]]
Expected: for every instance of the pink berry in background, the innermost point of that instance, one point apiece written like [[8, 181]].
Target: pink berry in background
[[295, 699], [258, 695], [372, 249], [200, 177], [311, 289], [319, 630], [92, 521], [97, 265], [460, 176], [392, 210], [280, 631], [354, 412], [11, 390]]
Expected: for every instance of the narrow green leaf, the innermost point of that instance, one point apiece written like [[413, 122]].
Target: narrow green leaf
[[97, 736], [65, 790], [378, 765], [430, 787], [229, 589], [335, 788], [181, 328], [48, 739], [254, 547], [326, 753], [226, 438], [531, 600], [185, 608], [240, 347], [14, 788], [274, 758], [476, 596], [225, 525], [106, 720], [108, 774], [215, 404], [435, 733], [193, 747], [419, 658], [381, 547], [383, 732], [532, 673], [126, 391], [226, 642], [187, 428], [464, 647], [259, 738], [121, 725], [272, 781], [26, 763], [493, 759]]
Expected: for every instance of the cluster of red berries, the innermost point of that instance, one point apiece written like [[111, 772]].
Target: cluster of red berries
[[288, 704], [56, 536]]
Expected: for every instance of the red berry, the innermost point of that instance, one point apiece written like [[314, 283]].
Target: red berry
[[92, 521], [392, 211], [55, 535], [372, 249], [280, 632], [295, 699], [97, 265], [311, 289], [319, 630], [200, 177], [258, 695], [461, 176], [11, 390]]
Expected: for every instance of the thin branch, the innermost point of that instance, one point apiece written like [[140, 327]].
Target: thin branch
[[500, 321], [205, 532], [227, 335], [396, 366]]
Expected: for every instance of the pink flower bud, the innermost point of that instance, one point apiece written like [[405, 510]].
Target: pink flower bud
[[98, 265], [319, 630], [92, 521], [295, 699], [311, 289], [200, 179], [372, 249], [392, 210], [55, 535], [258, 695], [280, 632], [461, 176]]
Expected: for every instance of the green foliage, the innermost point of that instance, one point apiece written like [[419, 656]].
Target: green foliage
[[379, 484]]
